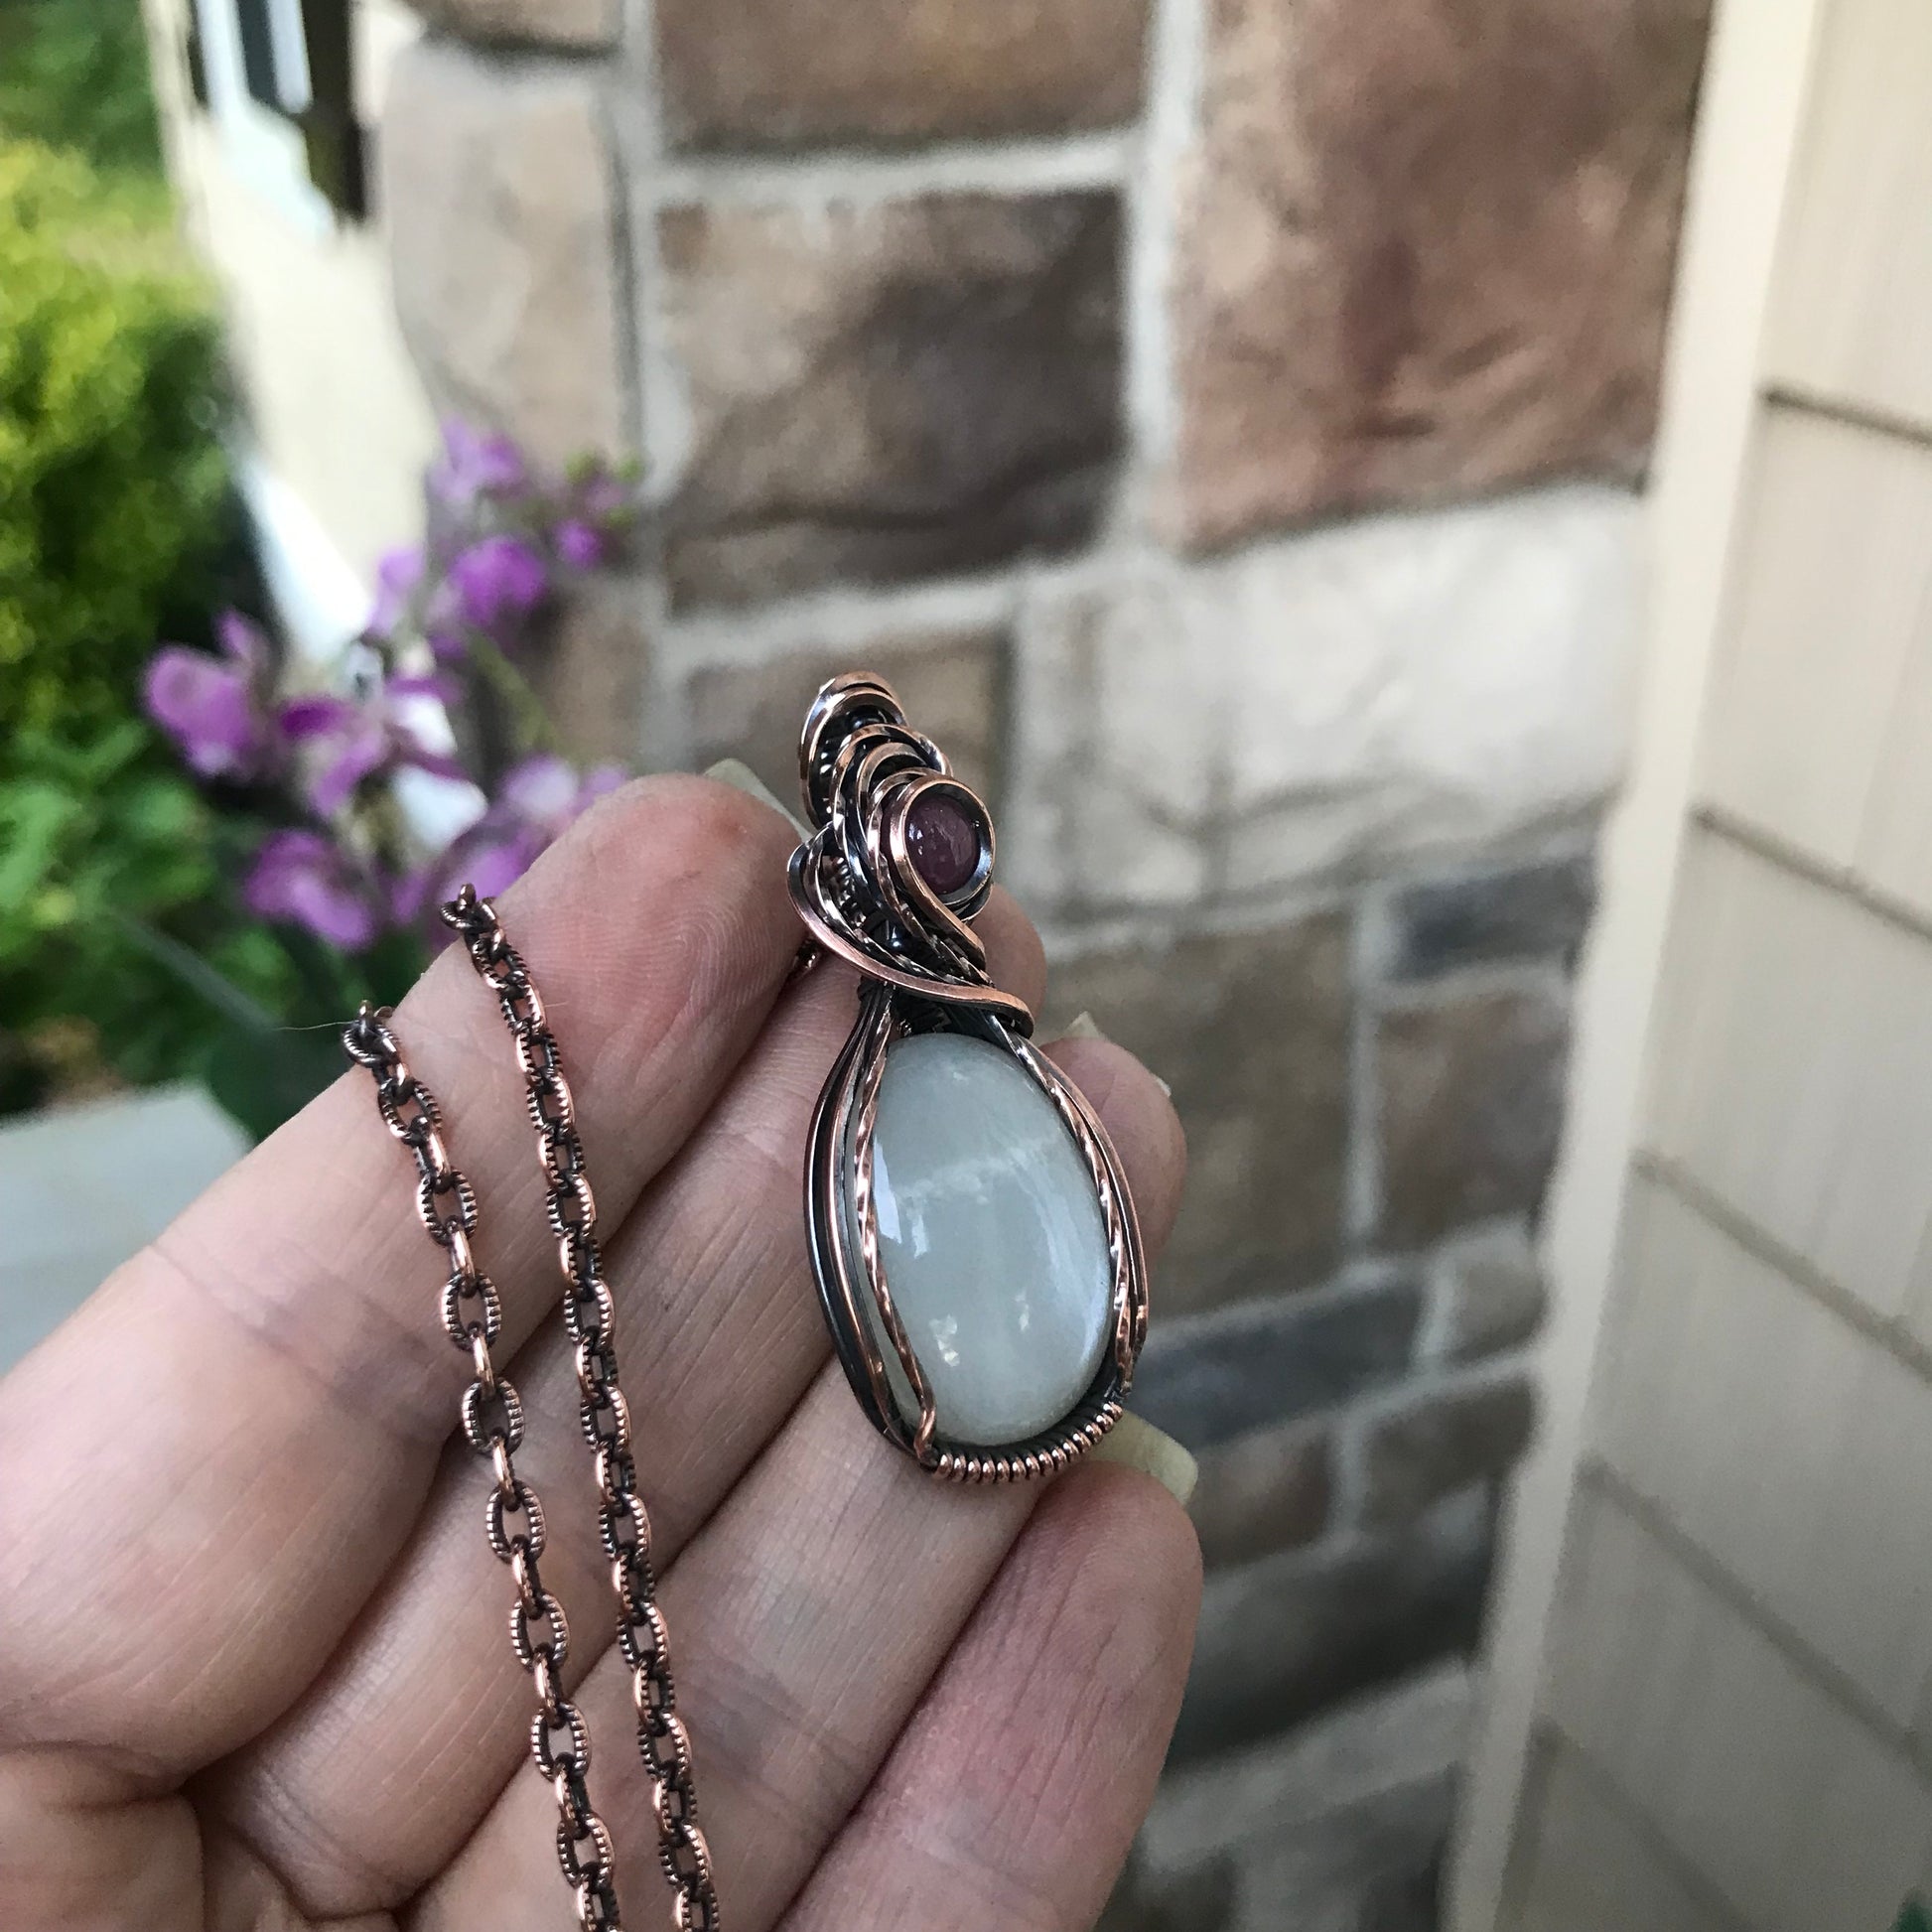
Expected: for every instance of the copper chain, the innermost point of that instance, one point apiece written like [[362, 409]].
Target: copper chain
[[493, 1424]]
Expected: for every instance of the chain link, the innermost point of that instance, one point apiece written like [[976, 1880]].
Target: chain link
[[492, 1419]]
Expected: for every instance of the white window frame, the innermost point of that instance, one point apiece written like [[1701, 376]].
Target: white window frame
[[264, 149]]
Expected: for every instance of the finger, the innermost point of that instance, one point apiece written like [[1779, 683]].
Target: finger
[[371, 1783], [216, 1460], [808, 1618], [1011, 1800], [1140, 1121]]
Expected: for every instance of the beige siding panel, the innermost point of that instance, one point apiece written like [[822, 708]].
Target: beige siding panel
[[1894, 851], [1831, 587], [1780, 1439], [1877, 1184], [1851, 316], [1762, 1780], [1794, 1067], [1586, 1868]]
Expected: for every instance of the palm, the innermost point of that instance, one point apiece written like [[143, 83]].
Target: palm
[[253, 1661]]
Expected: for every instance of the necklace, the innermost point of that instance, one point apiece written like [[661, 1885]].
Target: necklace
[[492, 1426], [998, 1350]]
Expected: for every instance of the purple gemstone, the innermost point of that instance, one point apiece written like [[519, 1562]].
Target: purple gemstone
[[943, 841]]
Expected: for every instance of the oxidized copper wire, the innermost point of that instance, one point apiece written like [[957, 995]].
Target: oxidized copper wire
[[923, 969], [492, 1426]]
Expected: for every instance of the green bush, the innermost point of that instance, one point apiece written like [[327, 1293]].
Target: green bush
[[116, 530], [74, 72], [120, 948], [112, 478]]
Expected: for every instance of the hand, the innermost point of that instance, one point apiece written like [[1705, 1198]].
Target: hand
[[255, 1662]]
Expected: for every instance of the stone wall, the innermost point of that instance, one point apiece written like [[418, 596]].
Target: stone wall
[[1222, 420]]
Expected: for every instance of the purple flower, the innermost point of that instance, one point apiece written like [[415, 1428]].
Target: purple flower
[[580, 544], [476, 465], [548, 793], [217, 709], [497, 580], [304, 879], [398, 577], [443, 626], [358, 739], [603, 497], [535, 805]]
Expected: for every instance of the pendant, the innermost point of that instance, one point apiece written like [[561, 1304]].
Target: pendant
[[971, 1232]]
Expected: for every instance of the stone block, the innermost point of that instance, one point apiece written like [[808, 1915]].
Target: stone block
[[762, 73], [1486, 1293], [1201, 1902], [1370, 1868], [1264, 1363], [1251, 1029], [1262, 1492], [1289, 1635], [1326, 705], [574, 24], [1424, 256], [1337, 1825], [591, 668], [1470, 1097], [1539, 910], [882, 392], [503, 246], [1440, 1443], [953, 684]]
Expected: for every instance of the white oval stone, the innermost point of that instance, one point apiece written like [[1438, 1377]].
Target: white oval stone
[[991, 1239]]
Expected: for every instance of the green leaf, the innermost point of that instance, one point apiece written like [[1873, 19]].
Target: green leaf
[[33, 818], [263, 1080], [195, 972]]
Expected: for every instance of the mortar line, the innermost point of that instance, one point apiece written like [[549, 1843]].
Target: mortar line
[[1073, 161]]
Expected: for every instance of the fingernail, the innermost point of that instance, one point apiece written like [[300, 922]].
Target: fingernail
[[1083, 1026], [1140, 1445], [739, 776]]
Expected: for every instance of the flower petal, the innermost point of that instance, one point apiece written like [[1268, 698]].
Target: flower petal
[[207, 707], [359, 752], [499, 578], [398, 573], [301, 877], [243, 641], [580, 544], [315, 714]]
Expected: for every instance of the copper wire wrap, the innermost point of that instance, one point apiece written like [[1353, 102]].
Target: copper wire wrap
[[491, 1420], [864, 771]]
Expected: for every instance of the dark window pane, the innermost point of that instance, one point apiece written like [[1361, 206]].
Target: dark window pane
[[258, 51]]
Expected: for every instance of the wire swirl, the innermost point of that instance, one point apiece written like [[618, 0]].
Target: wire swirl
[[855, 880]]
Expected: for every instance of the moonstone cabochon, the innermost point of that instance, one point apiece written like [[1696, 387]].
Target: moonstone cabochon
[[990, 1238]]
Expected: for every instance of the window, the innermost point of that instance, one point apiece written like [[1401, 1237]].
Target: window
[[276, 76], [275, 54]]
